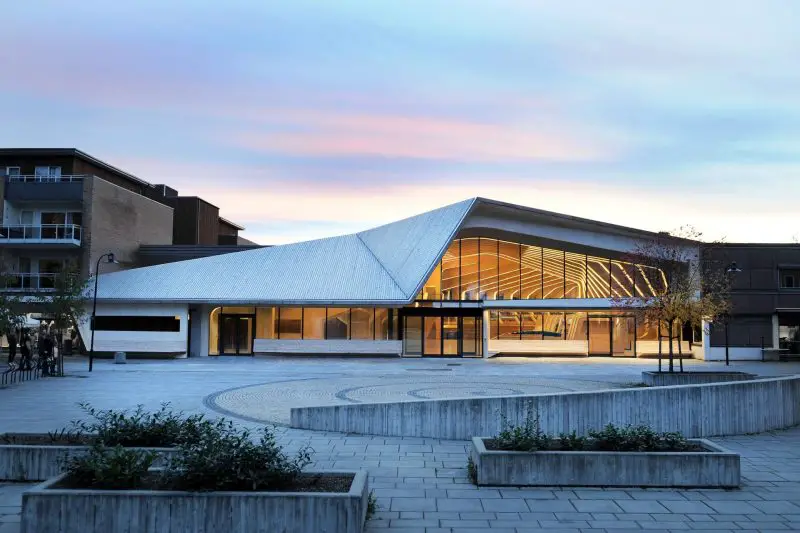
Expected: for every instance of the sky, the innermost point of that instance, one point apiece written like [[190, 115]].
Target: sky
[[303, 119]]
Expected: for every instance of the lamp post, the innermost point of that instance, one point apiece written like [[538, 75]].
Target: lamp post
[[109, 257], [731, 270]]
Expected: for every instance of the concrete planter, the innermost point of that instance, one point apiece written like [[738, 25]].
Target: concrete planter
[[49, 510], [37, 462], [715, 467], [662, 379]]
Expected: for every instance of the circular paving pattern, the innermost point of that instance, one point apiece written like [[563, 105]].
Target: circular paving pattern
[[271, 402]]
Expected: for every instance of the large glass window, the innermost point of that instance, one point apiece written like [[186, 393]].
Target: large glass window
[[575, 324], [469, 269], [531, 326], [598, 277], [552, 326], [488, 266], [314, 323], [290, 323], [553, 262], [432, 290], [575, 275], [265, 323], [487, 269], [509, 325], [412, 337], [451, 285], [382, 325], [508, 263], [362, 324], [790, 278], [622, 279], [494, 323], [531, 272], [338, 323]]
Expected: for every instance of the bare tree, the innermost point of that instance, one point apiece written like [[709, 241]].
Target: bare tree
[[691, 290]]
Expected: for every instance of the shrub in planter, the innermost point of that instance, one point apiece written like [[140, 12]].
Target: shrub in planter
[[224, 481], [140, 428], [110, 468], [614, 456], [232, 461], [30, 457]]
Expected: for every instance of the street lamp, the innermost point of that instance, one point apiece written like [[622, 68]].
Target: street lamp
[[730, 270], [109, 257]]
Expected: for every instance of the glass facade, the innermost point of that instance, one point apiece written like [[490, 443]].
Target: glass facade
[[490, 269], [233, 329]]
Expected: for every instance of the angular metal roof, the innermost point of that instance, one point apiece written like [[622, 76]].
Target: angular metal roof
[[384, 265]]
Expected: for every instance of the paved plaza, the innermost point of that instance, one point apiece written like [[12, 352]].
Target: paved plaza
[[421, 484]]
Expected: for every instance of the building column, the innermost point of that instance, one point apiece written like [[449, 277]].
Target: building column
[[485, 336], [204, 320], [705, 328], [776, 338]]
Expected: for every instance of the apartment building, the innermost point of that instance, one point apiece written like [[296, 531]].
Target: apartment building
[[63, 208]]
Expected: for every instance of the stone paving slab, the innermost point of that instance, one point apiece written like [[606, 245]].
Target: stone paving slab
[[421, 484]]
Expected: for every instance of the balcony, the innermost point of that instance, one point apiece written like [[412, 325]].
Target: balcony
[[43, 236], [28, 282], [42, 189]]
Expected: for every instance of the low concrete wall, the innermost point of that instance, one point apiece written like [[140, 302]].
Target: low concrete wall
[[26, 462], [48, 510], [694, 410], [661, 379], [715, 467]]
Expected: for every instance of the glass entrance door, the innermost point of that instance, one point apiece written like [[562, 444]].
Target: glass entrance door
[[624, 336], [451, 335], [444, 335], [236, 335], [599, 336]]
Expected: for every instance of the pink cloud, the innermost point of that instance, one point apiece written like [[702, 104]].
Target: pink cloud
[[326, 133]]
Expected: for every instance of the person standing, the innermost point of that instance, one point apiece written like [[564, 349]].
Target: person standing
[[12, 346], [25, 350]]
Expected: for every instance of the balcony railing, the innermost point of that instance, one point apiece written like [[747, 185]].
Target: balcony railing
[[29, 281], [41, 234], [30, 178]]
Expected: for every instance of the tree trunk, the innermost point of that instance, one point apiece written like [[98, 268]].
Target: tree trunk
[[659, 346], [671, 352], [680, 350]]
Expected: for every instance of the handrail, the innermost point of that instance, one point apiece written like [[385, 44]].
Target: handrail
[[32, 178], [29, 280], [41, 232]]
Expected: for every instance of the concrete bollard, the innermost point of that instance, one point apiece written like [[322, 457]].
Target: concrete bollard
[[120, 358]]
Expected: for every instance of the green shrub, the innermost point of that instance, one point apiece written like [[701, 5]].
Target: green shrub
[[525, 438], [107, 468], [634, 439], [230, 460], [140, 428]]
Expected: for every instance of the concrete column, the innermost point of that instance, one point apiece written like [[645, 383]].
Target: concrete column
[[204, 320], [706, 352], [775, 332], [485, 336]]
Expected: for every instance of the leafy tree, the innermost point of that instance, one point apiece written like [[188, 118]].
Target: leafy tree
[[693, 288], [11, 317], [65, 306]]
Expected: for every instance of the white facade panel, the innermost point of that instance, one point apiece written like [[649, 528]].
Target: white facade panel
[[736, 353], [327, 347], [166, 342], [556, 347]]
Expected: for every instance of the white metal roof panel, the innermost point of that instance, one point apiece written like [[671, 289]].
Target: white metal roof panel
[[382, 265], [337, 269], [410, 248]]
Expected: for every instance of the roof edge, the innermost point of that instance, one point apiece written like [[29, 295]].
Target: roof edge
[[429, 270]]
